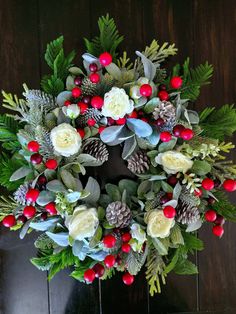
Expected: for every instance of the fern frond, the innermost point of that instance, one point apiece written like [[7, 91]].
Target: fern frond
[[107, 40], [52, 51], [8, 130], [157, 53], [219, 122]]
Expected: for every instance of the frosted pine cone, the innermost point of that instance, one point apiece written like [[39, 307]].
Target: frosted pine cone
[[139, 162], [187, 208], [97, 149], [88, 88], [20, 193], [90, 113], [165, 111], [118, 214]]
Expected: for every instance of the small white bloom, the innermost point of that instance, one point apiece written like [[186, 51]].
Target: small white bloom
[[173, 162], [71, 111], [158, 226], [65, 139], [83, 223], [143, 80], [138, 237], [117, 104], [134, 92]]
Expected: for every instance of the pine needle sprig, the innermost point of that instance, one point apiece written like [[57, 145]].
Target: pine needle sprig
[[43, 138], [7, 206], [224, 207], [107, 40], [218, 123]]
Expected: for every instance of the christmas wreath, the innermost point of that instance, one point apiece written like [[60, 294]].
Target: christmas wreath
[[176, 155]]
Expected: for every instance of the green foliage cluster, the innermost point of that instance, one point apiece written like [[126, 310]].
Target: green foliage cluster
[[59, 63]]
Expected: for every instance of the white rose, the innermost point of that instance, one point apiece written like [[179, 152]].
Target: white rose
[[138, 237], [71, 111], [83, 223], [158, 226], [65, 139], [117, 104], [173, 162]]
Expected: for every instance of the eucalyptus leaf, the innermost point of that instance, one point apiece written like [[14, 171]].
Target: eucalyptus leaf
[[160, 247], [129, 186], [193, 117], [20, 173], [114, 71], [201, 167], [165, 146], [154, 138], [44, 225], [177, 191], [157, 177], [129, 147], [88, 160], [194, 226], [149, 67], [96, 238], [143, 188], [151, 105], [62, 97], [166, 187], [93, 188], [139, 127], [68, 179], [172, 203], [61, 238], [45, 197], [77, 248], [73, 197], [113, 191], [56, 186], [111, 133], [25, 229]]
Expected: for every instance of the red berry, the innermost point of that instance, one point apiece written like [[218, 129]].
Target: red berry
[[110, 121], [78, 80], [93, 67], [210, 215], [198, 193], [163, 95], [100, 129], [81, 132], [146, 90], [97, 102], [218, 230], [99, 270], [229, 185], [105, 58], [42, 180], [187, 134], [94, 77], [44, 216], [121, 121], [76, 92], [208, 184], [165, 136], [133, 114], [172, 180], [126, 237], [144, 119], [110, 261], [29, 211], [32, 195], [125, 247], [22, 219], [169, 212], [164, 199], [109, 241], [219, 220], [160, 122], [51, 164], [169, 195], [211, 200], [67, 103], [33, 146], [91, 122], [89, 275], [176, 82], [86, 99], [36, 159], [162, 87], [83, 107], [178, 129], [128, 279], [51, 208], [9, 221]]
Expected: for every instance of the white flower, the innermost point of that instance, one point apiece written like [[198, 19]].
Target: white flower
[[65, 139], [83, 223], [173, 162], [138, 237], [71, 111], [117, 104], [158, 226]]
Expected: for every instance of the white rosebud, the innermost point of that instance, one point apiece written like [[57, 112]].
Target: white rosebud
[[83, 223], [117, 104], [138, 237], [173, 162], [65, 139], [71, 111], [158, 226]]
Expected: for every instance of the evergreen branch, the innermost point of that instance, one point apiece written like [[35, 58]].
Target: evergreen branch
[[124, 62], [107, 40], [218, 123], [7, 206], [224, 207]]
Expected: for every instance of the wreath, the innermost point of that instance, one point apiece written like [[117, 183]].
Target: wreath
[[176, 157]]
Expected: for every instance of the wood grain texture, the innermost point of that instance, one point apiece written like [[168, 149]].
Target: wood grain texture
[[202, 30]]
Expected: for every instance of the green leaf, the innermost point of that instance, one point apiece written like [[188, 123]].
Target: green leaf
[[160, 247], [185, 268], [93, 188], [166, 187], [96, 238], [165, 146], [192, 242], [201, 167], [20, 173], [52, 51], [113, 191], [45, 197], [42, 263], [151, 105], [224, 207], [129, 185]]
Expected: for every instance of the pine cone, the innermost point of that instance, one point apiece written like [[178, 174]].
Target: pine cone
[[138, 162], [165, 111], [118, 214], [97, 149], [19, 194], [88, 88], [187, 208], [90, 113]]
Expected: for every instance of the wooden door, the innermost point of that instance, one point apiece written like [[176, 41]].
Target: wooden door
[[202, 30]]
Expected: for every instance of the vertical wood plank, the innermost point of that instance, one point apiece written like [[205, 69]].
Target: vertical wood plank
[[171, 21], [70, 19], [214, 38], [23, 287]]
